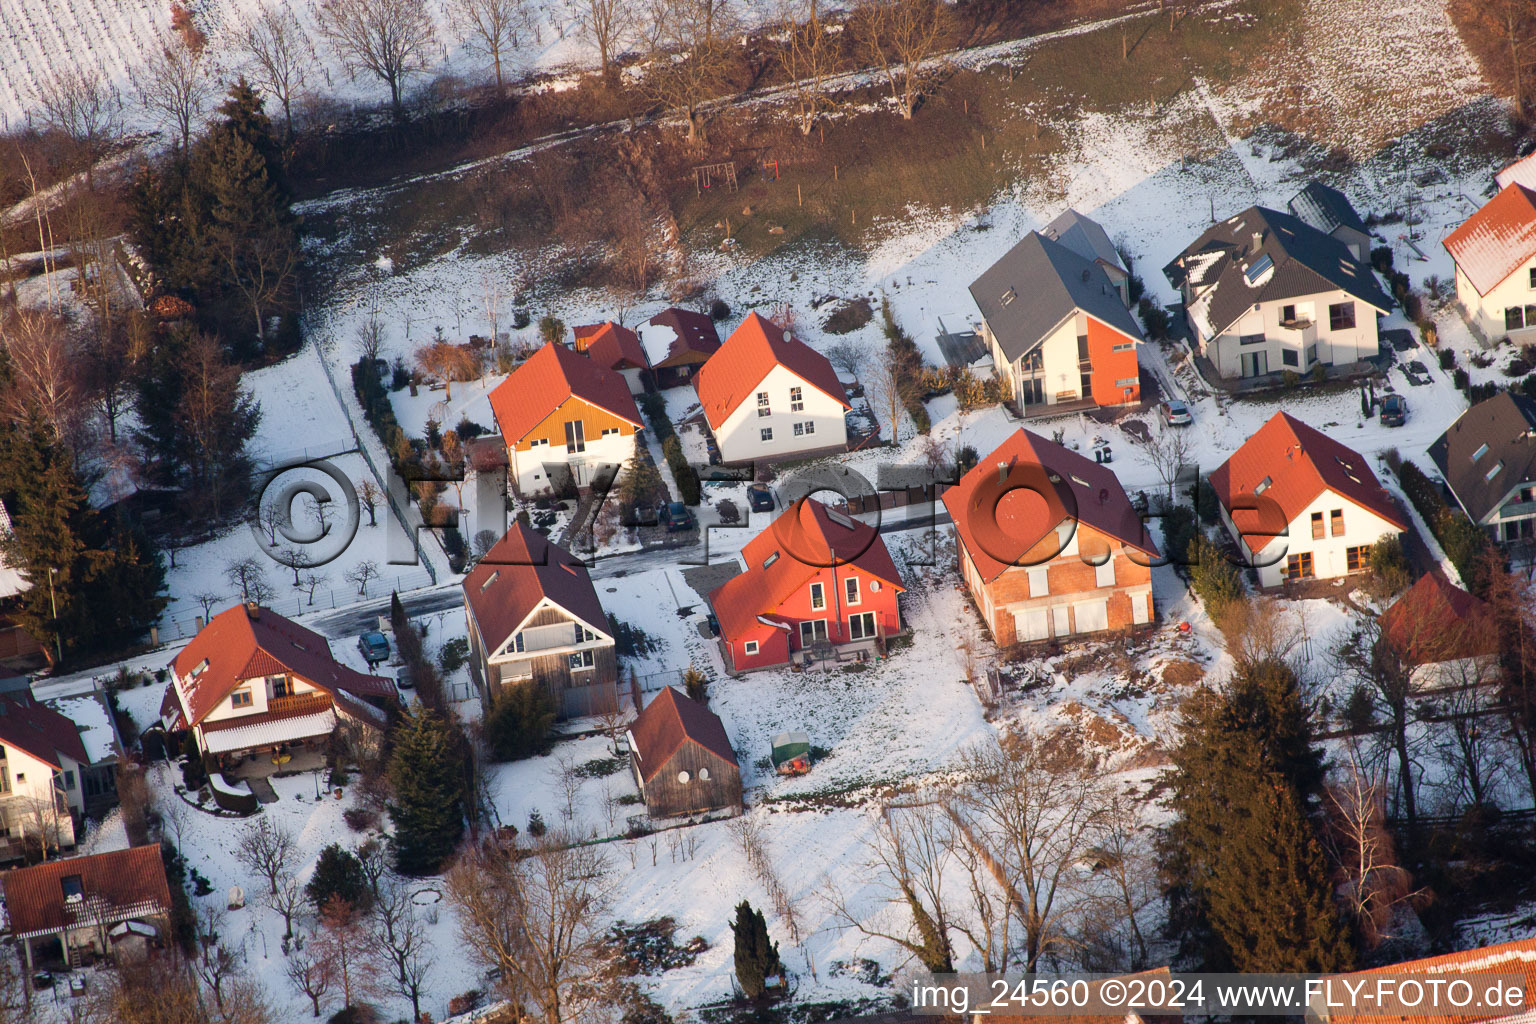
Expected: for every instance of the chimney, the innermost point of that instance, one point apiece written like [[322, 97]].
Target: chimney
[[252, 610], [1258, 240], [1002, 471]]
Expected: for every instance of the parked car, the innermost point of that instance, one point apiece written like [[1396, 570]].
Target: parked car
[[760, 499], [1175, 413], [677, 517], [644, 515], [375, 647], [1394, 411]]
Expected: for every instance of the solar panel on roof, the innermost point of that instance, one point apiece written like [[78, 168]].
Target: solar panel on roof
[[1259, 267]]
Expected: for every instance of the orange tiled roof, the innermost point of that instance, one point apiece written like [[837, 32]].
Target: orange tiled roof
[[615, 346], [550, 376], [732, 374], [1496, 240], [130, 880], [1518, 958]]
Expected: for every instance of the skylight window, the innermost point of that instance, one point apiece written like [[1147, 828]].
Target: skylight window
[[840, 519], [1259, 267], [1263, 485], [1488, 476], [770, 559], [1481, 451], [1079, 480], [492, 578], [1009, 296], [200, 668]]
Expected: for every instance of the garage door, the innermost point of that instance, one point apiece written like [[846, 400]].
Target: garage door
[[1091, 616], [1030, 624]]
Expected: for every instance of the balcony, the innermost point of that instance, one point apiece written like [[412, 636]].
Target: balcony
[[300, 704], [1299, 332]]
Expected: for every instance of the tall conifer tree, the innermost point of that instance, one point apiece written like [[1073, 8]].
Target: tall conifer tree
[[428, 780]]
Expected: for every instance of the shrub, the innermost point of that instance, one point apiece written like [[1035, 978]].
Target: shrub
[[1207, 506], [338, 872], [399, 376], [1389, 565], [850, 316], [360, 819], [1154, 319], [536, 826], [468, 429], [519, 722], [687, 480], [655, 409], [1214, 578], [1381, 258], [520, 319], [1320, 373], [1447, 358], [696, 685], [551, 328], [1290, 378], [1359, 709], [1463, 542], [719, 310], [1178, 530], [1460, 379], [453, 655], [1481, 392]]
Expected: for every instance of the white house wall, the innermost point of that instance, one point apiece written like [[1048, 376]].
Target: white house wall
[[1058, 358], [740, 436], [1329, 560], [1485, 313], [1338, 348], [531, 467]]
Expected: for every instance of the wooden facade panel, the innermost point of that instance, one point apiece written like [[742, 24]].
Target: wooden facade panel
[[594, 421], [667, 797]]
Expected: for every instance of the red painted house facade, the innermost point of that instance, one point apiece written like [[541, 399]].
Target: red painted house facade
[[817, 586]]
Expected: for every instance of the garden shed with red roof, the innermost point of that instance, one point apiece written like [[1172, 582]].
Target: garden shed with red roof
[[682, 758]]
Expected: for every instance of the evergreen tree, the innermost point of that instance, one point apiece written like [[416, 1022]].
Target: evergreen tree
[[519, 722], [1249, 887], [757, 956], [338, 873], [695, 684], [93, 585], [427, 774]]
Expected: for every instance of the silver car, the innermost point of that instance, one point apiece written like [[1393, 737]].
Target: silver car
[[1175, 413]]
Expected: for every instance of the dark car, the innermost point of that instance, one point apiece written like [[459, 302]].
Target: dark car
[[1394, 411], [375, 647], [677, 517], [760, 499]]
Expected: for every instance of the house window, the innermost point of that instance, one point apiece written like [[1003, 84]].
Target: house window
[[539, 442], [861, 626], [1311, 354], [581, 659], [575, 436], [583, 634], [1252, 339], [1127, 382], [1082, 348], [1357, 558], [517, 643], [796, 400], [762, 404], [1287, 314], [818, 596], [1533, 277], [767, 433], [69, 780], [241, 698], [799, 429], [1124, 346], [1299, 567], [1317, 526], [1263, 485], [810, 426], [814, 631], [1336, 523], [1514, 318], [1290, 357], [282, 686], [750, 647], [851, 589], [5, 780], [770, 559], [609, 431], [1039, 581], [1104, 575], [1341, 316]]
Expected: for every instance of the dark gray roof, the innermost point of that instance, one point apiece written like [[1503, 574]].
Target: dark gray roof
[[1084, 236], [1325, 208], [1038, 284], [1306, 261], [1506, 423]]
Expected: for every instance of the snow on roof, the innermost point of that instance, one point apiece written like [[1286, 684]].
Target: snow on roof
[[657, 339], [271, 733], [94, 722], [1521, 172], [235, 787], [1497, 239]]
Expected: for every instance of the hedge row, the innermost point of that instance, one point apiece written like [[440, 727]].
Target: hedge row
[[373, 396], [655, 408], [1464, 542]]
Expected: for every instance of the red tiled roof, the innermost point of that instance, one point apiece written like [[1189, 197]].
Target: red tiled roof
[[1494, 242], [130, 881], [239, 644], [1024, 490], [694, 335], [550, 376], [1438, 621], [1517, 958], [39, 730], [807, 538], [732, 374], [522, 569], [616, 347], [1299, 462], [671, 719]]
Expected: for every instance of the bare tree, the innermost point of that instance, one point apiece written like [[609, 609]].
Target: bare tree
[[403, 940], [491, 297], [214, 964], [846, 356], [362, 574], [287, 900], [1129, 860], [76, 101], [808, 58], [1371, 881], [889, 387], [311, 582], [606, 24], [278, 57], [370, 337], [177, 83], [370, 497], [901, 38], [1169, 452], [489, 27], [691, 63], [390, 39], [344, 942], [448, 362], [311, 973], [536, 919], [1033, 811], [250, 577], [910, 853], [266, 849], [44, 369]]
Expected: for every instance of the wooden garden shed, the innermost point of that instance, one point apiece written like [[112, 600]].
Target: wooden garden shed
[[682, 758]]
